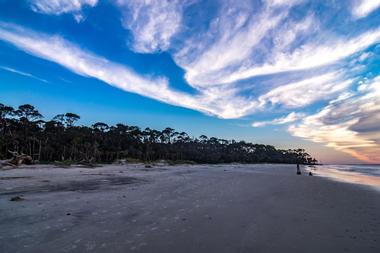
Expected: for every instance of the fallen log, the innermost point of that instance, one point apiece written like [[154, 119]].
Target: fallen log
[[19, 159]]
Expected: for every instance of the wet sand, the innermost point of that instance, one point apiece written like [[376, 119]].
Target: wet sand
[[348, 177], [229, 208]]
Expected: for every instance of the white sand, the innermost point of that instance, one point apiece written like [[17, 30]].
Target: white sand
[[227, 208]]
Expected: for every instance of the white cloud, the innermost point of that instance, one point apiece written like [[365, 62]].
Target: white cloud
[[349, 124], [282, 2], [56, 49], [291, 31], [364, 56], [58, 7], [291, 117], [22, 73], [308, 56], [305, 92], [153, 23], [231, 39], [243, 42], [363, 8], [62, 52]]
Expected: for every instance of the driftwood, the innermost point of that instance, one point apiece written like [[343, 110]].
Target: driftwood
[[88, 163], [18, 159], [5, 164]]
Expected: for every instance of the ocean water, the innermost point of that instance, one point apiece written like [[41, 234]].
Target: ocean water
[[356, 174], [370, 170]]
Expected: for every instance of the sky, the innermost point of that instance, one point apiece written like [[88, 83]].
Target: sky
[[295, 73]]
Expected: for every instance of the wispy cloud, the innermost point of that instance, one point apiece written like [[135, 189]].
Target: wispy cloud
[[349, 124], [58, 50], [153, 23], [307, 91], [362, 8], [62, 52], [230, 41], [239, 45], [307, 56], [22, 73], [58, 7], [291, 117]]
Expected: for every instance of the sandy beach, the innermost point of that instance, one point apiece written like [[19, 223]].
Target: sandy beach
[[200, 208]]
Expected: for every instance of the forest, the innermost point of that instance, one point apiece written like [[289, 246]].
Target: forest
[[23, 130]]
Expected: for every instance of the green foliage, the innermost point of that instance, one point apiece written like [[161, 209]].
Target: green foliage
[[22, 130]]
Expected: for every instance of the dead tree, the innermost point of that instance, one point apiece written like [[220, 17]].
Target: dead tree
[[18, 159]]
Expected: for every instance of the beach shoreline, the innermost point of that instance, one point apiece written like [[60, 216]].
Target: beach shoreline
[[345, 176], [186, 208]]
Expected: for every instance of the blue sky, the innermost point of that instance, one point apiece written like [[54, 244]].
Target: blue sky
[[293, 73]]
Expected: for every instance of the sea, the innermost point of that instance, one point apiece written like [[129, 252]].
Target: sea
[[356, 174]]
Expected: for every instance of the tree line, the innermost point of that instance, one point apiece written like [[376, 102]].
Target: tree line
[[24, 131]]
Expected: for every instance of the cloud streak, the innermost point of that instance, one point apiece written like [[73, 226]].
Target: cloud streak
[[60, 51], [349, 124], [81, 62], [305, 92], [234, 34], [21, 73], [153, 23], [239, 45], [58, 7], [363, 8], [291, 117]]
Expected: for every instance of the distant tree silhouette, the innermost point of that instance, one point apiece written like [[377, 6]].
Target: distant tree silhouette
[[24, 131], [70, 119]]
